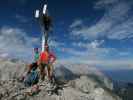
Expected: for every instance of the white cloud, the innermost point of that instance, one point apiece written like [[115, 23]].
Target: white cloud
[[122, 31], [124, 53], [91, 50], [102, 64], [96, 43], [14, 42], [56, 44], [94, 53], [89, 45], [116, 22], [3, 55], [76, 23]]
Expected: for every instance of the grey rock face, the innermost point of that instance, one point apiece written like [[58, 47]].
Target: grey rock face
[[72, 71], [89, 86], [92, 90], [11, 70], [85, 84]]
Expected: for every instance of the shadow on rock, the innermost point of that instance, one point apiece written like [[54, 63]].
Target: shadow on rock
[[63, 75]]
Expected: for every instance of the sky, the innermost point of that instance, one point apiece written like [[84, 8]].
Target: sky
[[84, 31]]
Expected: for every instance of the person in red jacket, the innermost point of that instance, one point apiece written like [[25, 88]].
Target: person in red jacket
[[46, 61]]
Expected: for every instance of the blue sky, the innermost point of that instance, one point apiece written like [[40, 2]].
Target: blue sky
[[88, 31]]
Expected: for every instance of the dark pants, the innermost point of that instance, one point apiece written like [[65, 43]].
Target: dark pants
[[32, 66], [43, 70]]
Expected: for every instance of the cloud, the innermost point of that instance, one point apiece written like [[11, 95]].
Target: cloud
[[87, 50], [116, 14], [123, 31], [3, 55], [116, 64], [55, 44], [95, 53], [15, 43], [76, 23], [93, 44], [115, 24], [96, 43], [102, 64], [124, 53]]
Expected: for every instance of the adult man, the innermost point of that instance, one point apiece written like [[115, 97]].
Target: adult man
[[46, 61]]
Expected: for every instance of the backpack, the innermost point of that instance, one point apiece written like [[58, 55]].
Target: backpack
[[32, 78]]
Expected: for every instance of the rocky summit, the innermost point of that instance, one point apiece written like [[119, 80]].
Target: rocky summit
[[72, 82]]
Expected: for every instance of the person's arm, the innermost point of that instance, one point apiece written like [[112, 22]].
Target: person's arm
[[52, 58]]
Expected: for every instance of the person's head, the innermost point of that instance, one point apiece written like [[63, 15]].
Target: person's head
[[46, 47], [35, 50]]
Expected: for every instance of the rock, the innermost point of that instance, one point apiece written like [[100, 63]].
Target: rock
[[68, 71], [11, 70], [87, 89], [21, 97], [91, 86], [85, 84]]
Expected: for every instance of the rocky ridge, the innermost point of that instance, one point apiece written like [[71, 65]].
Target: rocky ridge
[[73, 83]]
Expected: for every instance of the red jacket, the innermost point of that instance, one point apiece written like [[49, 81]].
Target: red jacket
[[47, 57]]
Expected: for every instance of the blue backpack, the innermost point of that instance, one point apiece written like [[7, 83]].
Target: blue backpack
[[32, 78]]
